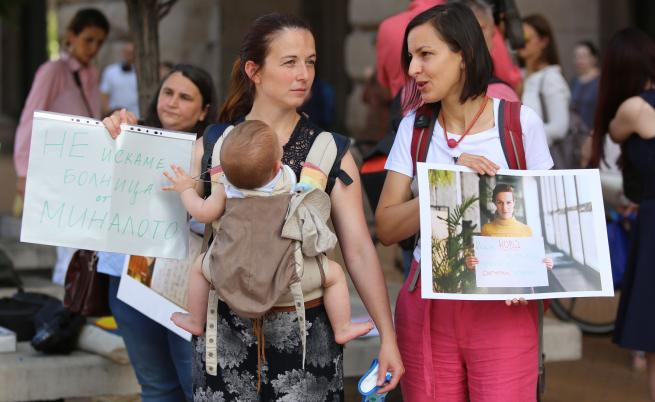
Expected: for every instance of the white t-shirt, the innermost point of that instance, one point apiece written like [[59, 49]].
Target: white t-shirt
[[550, 82], [485, 143], [268, 188], [121, 88]]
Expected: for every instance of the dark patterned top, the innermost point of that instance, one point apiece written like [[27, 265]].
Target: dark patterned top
[[295, 151]]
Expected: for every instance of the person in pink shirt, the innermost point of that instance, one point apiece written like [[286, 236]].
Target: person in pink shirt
[[389, 44], [390, 41], [501, 88], [67, 85]]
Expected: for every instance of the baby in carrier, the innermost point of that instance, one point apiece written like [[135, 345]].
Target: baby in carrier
[[249, 263]]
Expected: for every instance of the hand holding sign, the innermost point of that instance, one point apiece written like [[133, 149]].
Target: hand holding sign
[[88, 190], [113, 122]]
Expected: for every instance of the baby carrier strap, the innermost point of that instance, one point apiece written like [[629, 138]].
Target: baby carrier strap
[[326, 152]]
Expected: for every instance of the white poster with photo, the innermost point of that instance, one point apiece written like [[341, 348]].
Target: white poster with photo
[[511, 262], [87, 190], [531, 234], [159, 287]]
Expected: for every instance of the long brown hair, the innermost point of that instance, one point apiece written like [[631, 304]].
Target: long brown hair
[[254, 47], [541, 26], [628, 66]]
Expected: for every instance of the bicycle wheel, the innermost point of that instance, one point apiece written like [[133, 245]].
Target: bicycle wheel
[[593, 315]]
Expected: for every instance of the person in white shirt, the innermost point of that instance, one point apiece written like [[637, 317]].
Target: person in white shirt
[[544, 89], [118, 85], [456, 349]]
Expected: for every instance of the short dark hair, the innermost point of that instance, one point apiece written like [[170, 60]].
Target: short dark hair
[[88, 17], [502, 188], [541, 26], [456, 24], [203, 81]]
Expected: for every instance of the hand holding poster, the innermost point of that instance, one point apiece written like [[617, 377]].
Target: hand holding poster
[[530, 234], [87, 190], [510, 262]]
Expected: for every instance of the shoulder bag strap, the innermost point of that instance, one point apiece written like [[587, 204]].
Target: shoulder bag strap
[[541, 373], [78, 82], [542, 97], [512, 142]]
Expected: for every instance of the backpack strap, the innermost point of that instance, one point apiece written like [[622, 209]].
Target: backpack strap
[[426, 117], [326, 153], [343, 144], [511, 140], [509, 122], [209, 138]]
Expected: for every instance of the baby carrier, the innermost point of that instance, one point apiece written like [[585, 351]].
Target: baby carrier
[[269, 250]]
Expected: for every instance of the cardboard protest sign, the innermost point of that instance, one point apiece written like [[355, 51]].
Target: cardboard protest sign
[[532, 234], [87, 190], [510, 262]]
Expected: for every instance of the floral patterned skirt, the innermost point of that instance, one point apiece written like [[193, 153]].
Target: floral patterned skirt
[[282, 376]]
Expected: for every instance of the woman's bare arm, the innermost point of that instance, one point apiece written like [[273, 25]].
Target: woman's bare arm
[[364, 267]]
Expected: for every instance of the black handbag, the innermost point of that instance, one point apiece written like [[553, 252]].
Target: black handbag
[[17, 312]]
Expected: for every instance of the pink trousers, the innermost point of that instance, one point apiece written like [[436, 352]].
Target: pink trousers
[[456, 351]]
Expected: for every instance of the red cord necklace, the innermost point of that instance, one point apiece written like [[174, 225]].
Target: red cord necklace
[[452, 143]]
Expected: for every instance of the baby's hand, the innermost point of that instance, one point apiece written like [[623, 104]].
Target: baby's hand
[[548, 262], [180, 182]]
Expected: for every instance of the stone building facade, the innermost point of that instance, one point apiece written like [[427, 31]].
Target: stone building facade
[[208, 33]]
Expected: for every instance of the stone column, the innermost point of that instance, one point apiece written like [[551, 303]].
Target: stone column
[[364, 17]]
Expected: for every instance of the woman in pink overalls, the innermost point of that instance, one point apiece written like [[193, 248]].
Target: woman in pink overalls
[[456, 350]]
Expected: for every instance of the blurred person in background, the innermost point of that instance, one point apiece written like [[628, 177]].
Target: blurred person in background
[[389, 44], [118, 84], [67, 85], [483, 11], [584, 87], [544, 89], [626, 110]]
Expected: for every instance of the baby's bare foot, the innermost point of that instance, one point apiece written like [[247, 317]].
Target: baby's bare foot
[[188, 323], [352, 331]]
